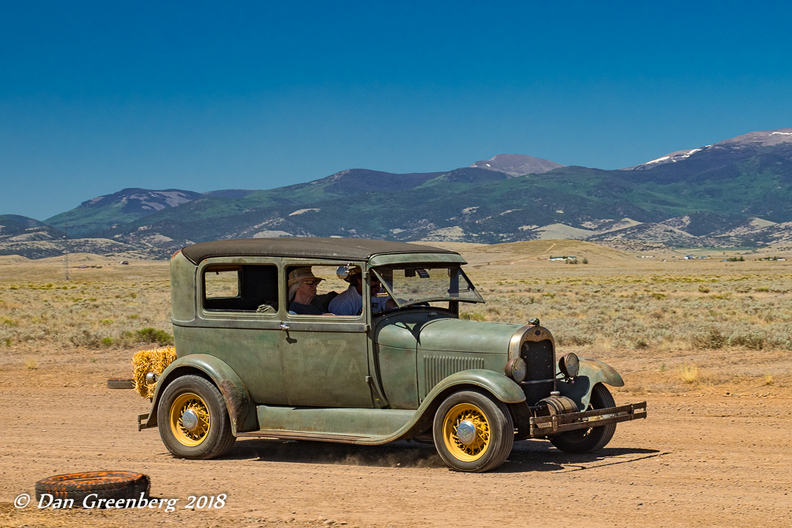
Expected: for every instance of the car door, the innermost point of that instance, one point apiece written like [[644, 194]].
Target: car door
[[325, 357], [239, 322]]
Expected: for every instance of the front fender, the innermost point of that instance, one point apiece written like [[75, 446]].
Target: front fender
[[241, 412], [503, 388], [592, 371]]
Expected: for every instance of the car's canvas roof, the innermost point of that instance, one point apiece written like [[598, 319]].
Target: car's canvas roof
[[341, 248]]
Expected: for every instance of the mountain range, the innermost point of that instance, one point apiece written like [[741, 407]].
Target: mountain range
[[736, 193]]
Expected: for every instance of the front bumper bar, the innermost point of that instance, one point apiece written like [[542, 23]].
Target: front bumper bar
[[543, 426]]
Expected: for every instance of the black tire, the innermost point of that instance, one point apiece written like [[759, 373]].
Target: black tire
[[594, 438], [494, 432], [211, 435], [105, 484]]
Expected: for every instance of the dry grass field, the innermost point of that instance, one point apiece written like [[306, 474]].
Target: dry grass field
[[670, 324], [104, 305]]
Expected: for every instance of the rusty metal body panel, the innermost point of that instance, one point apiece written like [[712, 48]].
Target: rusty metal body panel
[[182, 283], [241, 410]]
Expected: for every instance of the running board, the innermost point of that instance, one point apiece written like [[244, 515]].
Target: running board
[[305, 435], [346, 425]]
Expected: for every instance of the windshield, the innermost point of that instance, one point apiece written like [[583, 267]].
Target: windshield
[[422, 284]]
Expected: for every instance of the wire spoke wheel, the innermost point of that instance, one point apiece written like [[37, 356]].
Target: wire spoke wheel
[[475, 448], [473, 431], [193, 419], [189, 408]]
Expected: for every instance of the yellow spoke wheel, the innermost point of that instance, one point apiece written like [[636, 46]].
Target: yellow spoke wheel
[[472, 449], [189, 419], [193, 418], [473, 431]]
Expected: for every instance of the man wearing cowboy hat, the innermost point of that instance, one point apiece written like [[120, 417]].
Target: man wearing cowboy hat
[[350, 302], [302, 292]]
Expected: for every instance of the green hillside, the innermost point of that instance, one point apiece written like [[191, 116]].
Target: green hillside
[[490, 206], [715, 191]]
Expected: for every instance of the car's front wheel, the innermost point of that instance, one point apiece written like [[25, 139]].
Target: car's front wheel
[[593, 438], [473, 432], [193, 420]]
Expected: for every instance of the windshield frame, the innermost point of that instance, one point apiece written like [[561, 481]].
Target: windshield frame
[[401, 303]]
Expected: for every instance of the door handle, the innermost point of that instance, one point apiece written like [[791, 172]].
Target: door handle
[[284, 326]]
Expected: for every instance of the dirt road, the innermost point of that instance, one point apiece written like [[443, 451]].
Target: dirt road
[[714, 460]]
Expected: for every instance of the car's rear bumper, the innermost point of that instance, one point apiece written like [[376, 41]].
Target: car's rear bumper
[[544, 426]]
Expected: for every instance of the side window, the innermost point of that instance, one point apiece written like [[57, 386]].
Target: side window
[[312, 288], [247, 288], [222, 284]]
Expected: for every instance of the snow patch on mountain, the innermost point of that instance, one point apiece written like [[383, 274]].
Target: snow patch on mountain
[[673, 157]]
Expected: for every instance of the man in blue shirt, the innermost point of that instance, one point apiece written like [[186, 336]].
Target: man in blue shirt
[[350, 302]]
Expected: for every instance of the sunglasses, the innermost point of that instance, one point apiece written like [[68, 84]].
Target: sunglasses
[[311, 282]]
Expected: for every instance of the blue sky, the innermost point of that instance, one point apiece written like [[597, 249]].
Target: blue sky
[[99, 96]]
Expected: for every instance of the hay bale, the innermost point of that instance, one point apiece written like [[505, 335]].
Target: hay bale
[[147, 361]]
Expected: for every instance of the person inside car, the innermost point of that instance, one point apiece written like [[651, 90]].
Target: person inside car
[[302, 292], [350, 302]]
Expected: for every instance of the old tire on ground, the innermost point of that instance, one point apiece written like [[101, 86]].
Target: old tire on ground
[[105, 484], [593, 438], [193, 419], [473, 432]]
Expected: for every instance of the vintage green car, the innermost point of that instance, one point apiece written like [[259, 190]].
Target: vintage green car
[[248, 365]]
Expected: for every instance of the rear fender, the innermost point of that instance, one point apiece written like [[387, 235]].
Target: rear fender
[[592, 371], [241, 411]]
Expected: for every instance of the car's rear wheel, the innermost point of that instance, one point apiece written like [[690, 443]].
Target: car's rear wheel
[[593, 438], [473, 432], [193, 420]]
